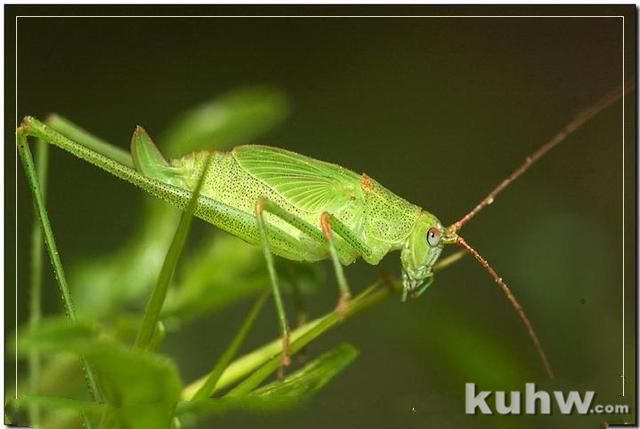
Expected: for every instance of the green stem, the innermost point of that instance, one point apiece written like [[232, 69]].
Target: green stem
[[35, 311], [248, 363], [365, 299], [244, 365], [209, 385], [34, 184], [159, 293]]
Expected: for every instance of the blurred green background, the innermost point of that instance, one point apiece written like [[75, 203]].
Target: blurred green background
[[438, 110]]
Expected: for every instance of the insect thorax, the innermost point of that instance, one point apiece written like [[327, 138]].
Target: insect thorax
[[388, 218]]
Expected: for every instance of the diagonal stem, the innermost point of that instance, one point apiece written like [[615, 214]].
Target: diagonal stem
[[159, 293], [303, 335], [34, 184], [210, 383], [35, 311]]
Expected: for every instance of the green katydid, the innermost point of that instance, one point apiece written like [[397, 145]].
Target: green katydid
[[300, 208]]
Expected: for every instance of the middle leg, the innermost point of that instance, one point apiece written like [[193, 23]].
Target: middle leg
[[322, 235], [345, 292]]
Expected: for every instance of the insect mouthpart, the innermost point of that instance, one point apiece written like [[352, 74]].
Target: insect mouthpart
[[414, 286], [410, 284]]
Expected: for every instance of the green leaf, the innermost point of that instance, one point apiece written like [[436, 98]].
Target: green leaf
[[57, 403], [249, 362], [63, 419], [142, 389], [265, 360], [291, 391], [61, 375], [313, 376], [301, 338], [190, 411], [56, 334], [237, 117], [59, 412]]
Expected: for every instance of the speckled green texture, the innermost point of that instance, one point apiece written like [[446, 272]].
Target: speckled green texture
[[306, 188]]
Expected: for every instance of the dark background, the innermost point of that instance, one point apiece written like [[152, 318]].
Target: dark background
[[438, 110]]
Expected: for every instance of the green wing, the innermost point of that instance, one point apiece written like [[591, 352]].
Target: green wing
[[309, 184]]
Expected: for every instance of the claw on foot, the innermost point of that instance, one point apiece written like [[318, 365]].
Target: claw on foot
[[343, 305], [286, 358], [286, 349]]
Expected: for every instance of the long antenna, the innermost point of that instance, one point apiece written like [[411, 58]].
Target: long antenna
[[514, 302], [573, 125], [451, 233]]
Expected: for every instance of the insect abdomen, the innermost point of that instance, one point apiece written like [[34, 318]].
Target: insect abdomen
[[228, 183]]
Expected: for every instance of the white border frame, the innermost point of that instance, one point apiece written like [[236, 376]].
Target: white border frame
[[622, 376]]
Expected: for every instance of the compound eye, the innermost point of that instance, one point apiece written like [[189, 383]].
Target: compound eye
[[433, 236]]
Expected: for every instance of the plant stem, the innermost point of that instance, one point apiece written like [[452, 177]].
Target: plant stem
[[207, 388], [159, 293], [248, 363], [32, 178], [35, 311], [365, 299], [300, 337]]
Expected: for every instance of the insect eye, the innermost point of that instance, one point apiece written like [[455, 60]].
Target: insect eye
[[433, 236]]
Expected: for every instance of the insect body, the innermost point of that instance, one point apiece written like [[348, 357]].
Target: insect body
[[379, 220]]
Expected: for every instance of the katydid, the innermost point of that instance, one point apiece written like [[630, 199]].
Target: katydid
[[300, 208]]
